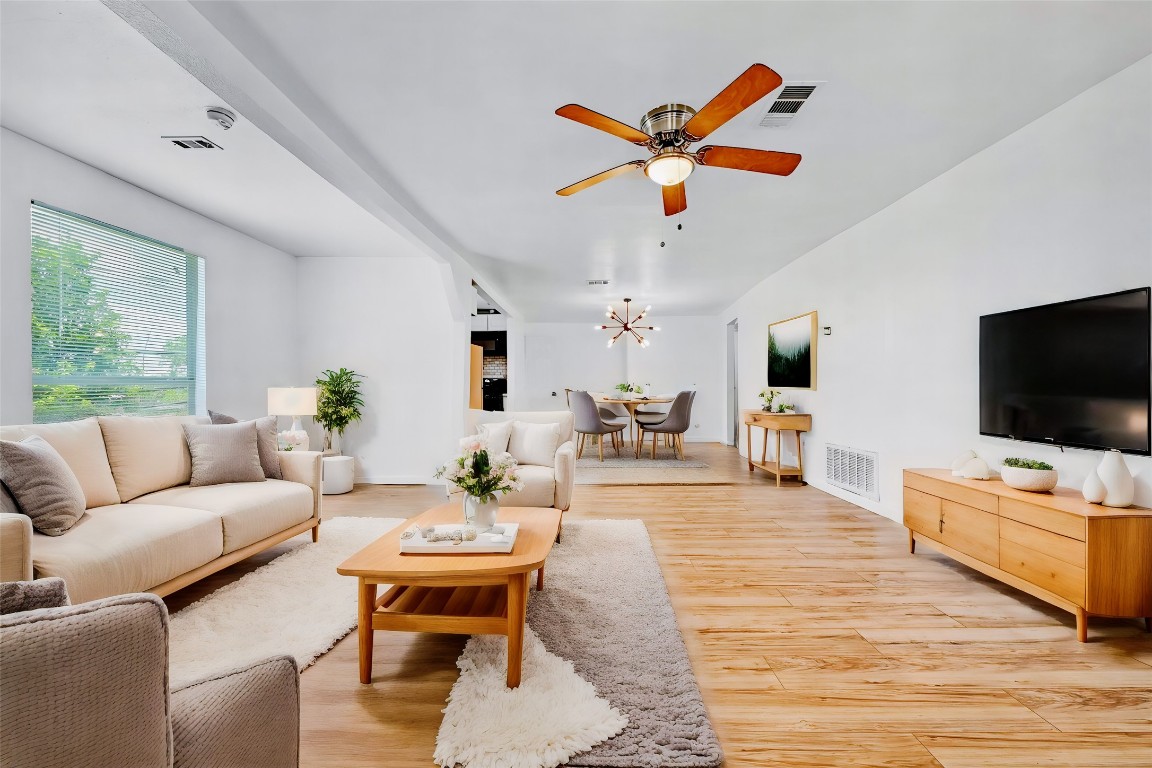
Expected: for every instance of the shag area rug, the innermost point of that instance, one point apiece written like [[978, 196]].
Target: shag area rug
[[296, 605], [605, 609]]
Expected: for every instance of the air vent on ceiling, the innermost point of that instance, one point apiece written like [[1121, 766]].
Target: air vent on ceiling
[[792, 96], [192, 142], [853, 470], [597, 282]]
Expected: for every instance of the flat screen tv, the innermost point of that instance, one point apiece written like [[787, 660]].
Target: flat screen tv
[[1077, 373]]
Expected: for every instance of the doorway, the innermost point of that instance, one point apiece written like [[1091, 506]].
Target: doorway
[[733, 385]]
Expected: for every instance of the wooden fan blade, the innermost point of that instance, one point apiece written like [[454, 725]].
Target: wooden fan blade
[[674, 199], [758, 160], [603, 123], [756, 83], [602, 176]]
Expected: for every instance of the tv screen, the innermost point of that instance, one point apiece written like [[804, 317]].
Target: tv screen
[[1077, 373]]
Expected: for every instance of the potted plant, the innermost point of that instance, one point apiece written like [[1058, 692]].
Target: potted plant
[[481, 478], [625, 389], [1028, 475], [338, 404], [768, 397]]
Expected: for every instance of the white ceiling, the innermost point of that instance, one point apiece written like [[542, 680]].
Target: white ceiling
[[451, 105]]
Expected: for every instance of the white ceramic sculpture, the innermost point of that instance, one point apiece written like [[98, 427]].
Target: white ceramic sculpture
[[961, 460], [1035, 480], [1094, 490], [975, 469], [1117, 480]]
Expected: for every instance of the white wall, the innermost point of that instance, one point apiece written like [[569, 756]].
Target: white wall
[[686, 353], [1058, 210], [249, 286], [390, 320]]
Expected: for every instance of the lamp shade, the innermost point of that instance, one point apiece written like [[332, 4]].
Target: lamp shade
[[292, 401]]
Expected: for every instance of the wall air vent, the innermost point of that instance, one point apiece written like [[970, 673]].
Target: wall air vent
[[853, 470], [792, 96], [597, 282], [192, 142]]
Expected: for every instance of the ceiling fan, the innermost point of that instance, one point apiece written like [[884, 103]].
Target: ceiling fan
[[669, 129]]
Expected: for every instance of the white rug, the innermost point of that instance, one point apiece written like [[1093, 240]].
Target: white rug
[[296, 605], [553, 715]]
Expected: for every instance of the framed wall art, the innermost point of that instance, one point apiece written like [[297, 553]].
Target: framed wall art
[[792, 352]]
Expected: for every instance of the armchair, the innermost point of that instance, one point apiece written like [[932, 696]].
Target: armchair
[[87, 685], [544, 486]]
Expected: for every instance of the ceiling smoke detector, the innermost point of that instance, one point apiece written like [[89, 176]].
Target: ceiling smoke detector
[[597, 282], [222, 116]]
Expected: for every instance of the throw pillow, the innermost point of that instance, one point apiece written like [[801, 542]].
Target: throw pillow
[[42, 483], [224, 453], [221, 418], [496, 434], [268, 447], [534, 443]]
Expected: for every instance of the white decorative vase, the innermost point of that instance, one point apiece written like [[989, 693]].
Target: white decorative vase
[[1094, 490], [975, 469], [1117, 480], [1035, 480], [481, 514], [961, 460]]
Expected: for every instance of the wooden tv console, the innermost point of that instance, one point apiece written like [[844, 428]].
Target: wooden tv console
[[1084, 558]]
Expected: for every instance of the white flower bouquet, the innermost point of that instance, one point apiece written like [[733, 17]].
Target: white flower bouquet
[[478, 475]]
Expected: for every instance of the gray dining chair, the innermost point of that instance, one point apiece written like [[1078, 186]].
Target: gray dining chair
[[676, 423], [654, 413], [588, 422]]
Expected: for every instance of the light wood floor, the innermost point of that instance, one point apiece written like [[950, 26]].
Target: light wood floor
[[816, 638]]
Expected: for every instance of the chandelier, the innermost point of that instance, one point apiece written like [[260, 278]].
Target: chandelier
[[626, 324]]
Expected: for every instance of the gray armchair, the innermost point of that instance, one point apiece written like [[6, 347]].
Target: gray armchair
[[87, 685]]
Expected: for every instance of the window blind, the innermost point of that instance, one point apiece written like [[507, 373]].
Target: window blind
[[117, 321]]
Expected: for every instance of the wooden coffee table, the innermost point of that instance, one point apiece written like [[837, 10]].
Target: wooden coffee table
[[484, 594]]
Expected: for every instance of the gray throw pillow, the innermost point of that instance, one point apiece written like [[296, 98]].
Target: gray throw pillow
[[221, 418], [42, 483], [223, 453], [269, 448]]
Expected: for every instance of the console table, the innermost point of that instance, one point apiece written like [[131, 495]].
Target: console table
[[777, 422], [1084, 558]]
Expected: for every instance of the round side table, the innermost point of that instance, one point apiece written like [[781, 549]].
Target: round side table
[[338, 474]]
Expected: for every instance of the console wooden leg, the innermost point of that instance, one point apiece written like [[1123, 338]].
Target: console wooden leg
[[1081, 625], [366, 608], [749, 428], [911, 541], [517, 605]]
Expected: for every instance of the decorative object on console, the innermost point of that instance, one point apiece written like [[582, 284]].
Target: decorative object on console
[[960, 461], [1029, 475], [1094, 490], [975, 469], [481, 478], [294, 402], [1119, 489], [626, 324], [768, 396], [792, 352], [338, 404]]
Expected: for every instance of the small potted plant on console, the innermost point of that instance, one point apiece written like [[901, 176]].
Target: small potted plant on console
[[1029, 475]]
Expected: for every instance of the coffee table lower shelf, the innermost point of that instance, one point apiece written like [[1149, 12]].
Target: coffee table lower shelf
[[449, 610]]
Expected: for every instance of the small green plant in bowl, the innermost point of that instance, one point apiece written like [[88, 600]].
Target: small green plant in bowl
[[1029, 475]]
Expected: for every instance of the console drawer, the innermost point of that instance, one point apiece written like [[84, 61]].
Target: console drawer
[[1060, 547], [953, 492], [1045, 571], [922, 513], [1052, 520], [971, 531]]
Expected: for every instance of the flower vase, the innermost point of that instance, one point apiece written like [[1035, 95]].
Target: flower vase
[[1117, 480], [481, 514]]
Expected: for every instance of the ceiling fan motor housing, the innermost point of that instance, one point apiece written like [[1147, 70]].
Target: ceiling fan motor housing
[[664, 122]]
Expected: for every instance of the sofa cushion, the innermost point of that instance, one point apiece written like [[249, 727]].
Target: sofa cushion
[[81, 444], [249, 511], [539, 488], [42, 484], [223, 453], [496, 434], [534, 443], [128, 548], [148, 453]]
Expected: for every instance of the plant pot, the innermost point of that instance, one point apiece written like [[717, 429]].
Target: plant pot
[[1035, 480], [481, 514]]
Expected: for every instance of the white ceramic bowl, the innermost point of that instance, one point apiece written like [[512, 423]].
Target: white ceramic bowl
[[1036, 480]]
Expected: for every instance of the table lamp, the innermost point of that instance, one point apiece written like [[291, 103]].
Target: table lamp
[[294, 402]]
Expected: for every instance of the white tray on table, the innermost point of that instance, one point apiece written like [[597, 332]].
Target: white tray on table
[[500, 540]]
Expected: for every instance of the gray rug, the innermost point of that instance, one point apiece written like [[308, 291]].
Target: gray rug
[[614, 622], [665, 458]]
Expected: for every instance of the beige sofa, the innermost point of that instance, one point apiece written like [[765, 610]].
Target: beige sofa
[[145, 528], [544, 486]]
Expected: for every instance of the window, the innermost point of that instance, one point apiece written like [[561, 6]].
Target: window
[[117, 321]]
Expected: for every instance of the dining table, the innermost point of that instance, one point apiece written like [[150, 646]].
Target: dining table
[[632, 404]]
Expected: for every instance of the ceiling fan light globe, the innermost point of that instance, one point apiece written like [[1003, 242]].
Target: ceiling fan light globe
[[669, 169]]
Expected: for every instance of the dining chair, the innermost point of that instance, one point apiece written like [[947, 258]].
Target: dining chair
[[654, 413], [588, 422], [676, 423]]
